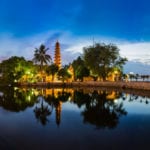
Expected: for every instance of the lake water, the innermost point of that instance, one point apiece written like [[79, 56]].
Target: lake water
[[67, 119]]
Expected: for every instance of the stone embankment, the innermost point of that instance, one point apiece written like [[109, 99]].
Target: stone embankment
[[122, 85], [95, 84], [137, 88]]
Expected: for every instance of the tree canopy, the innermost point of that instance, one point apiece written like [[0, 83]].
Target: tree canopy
[[63, 74], [41, 56], [13, 68], [101, 59]]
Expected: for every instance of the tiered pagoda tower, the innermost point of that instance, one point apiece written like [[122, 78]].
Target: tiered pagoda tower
[[57, 55]]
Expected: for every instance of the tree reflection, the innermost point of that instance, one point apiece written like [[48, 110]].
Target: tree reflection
[[99, 109], [15, 99], [42, 111]]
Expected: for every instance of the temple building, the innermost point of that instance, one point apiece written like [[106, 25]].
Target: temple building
[[57, 55], [28, 77]]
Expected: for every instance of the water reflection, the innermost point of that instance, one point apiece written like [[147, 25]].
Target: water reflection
[[55, 98], [100, 108], [133, 97], [15, 99], [43, 110]]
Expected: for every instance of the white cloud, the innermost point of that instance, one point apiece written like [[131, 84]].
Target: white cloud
[[71, 46], [12, 46], [138, 52]]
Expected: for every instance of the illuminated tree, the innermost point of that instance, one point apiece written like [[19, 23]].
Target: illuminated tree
[[52, 70], [14, 68], [63, 74]]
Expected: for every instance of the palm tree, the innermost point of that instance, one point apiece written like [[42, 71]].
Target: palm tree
[[40, 56], [43, 111]]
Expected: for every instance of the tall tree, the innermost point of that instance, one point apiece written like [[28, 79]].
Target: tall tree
[[41, 57], [102, 58]]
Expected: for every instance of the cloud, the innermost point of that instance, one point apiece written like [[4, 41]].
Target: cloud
[[71, 46], [13, 46], [10, 46], [138, 52]]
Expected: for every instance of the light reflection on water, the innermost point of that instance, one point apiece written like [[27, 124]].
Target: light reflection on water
[[73, 119]]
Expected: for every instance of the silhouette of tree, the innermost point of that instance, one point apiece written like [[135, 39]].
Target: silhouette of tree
[[43, 111], [99, 110], [41, 56]]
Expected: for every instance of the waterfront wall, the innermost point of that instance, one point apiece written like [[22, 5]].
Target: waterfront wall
[[122, 85], [94, 84]]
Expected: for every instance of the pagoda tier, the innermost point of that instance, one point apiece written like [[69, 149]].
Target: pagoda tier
[[57, 55]]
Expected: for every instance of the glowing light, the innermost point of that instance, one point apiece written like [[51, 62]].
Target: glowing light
[[116, 101], [15, 80], [15, 88], [29, 98]]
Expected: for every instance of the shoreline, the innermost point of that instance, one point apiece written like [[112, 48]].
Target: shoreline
[[133, 87], [120, 84]]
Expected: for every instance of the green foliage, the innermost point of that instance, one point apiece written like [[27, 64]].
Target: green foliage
[[63, 74], [102, 58], [14, 68], [80, 70], [52, 70]]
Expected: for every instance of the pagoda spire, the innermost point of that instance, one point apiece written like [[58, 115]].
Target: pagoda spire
[[57, 55]]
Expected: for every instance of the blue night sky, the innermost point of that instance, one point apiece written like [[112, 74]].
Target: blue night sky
[[25, 24]]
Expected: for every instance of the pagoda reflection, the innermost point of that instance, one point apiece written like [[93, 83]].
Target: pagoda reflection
[[57, 97], [100, 108]]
